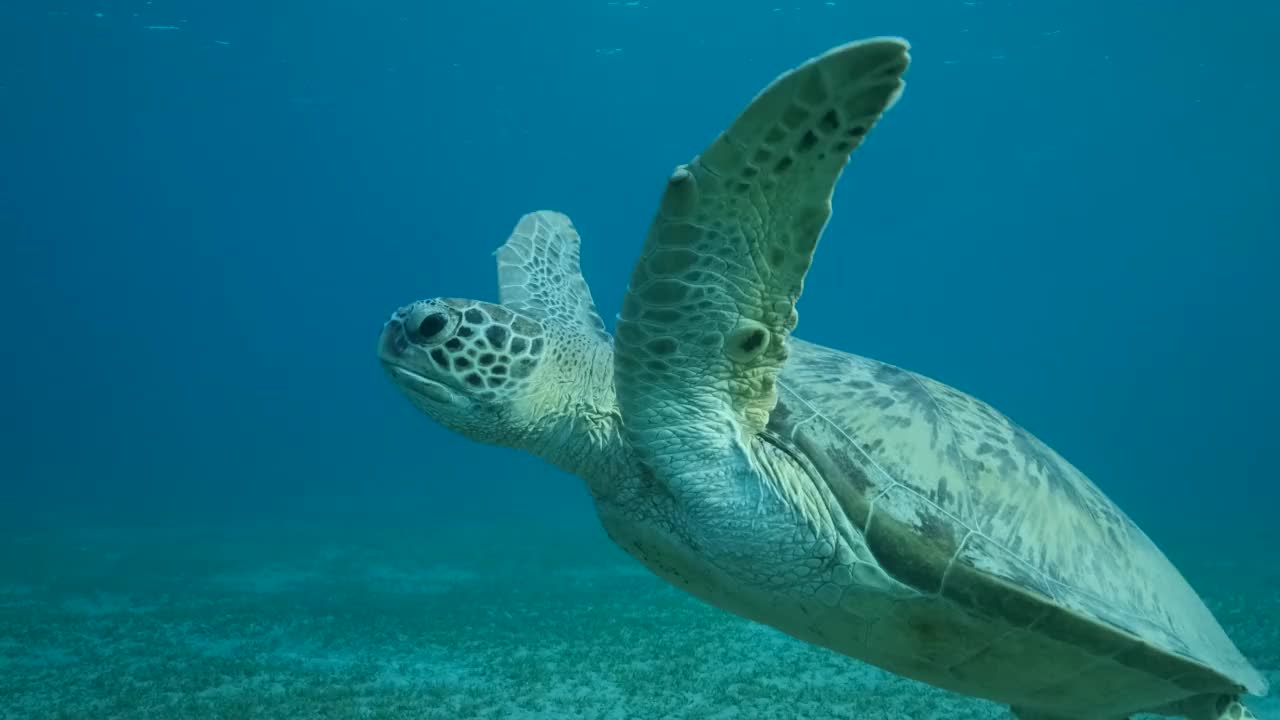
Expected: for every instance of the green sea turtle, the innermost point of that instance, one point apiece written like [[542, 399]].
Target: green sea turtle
[[844, 501]]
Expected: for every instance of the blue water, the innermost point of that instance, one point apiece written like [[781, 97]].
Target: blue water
[[208, 209]]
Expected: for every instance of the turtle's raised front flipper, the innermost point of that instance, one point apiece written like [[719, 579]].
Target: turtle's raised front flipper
[[701, 336], [539, 276]]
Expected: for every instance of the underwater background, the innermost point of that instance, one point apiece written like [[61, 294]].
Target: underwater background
[[214, 504]]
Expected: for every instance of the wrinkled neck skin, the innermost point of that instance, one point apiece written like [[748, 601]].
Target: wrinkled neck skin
[[587, 442], [579, 428], [582, 433]]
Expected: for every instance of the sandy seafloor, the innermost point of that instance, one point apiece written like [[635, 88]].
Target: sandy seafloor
[[480, 623]]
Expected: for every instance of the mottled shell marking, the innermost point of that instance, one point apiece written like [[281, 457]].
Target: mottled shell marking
[[956, 500]]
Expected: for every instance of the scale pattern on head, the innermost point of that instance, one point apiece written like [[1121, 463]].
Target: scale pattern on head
[[486, 349], [508, 373]]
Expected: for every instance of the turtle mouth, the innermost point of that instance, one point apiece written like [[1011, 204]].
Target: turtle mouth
[[396, 354], [416, 384]]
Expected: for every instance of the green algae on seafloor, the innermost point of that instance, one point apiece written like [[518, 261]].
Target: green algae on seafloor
[[410, 625]]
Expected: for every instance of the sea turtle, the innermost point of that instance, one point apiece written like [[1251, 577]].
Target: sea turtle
[[847, 502]]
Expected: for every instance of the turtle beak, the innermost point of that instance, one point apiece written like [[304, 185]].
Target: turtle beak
[[399, 357], [393, 344], [415, 384]]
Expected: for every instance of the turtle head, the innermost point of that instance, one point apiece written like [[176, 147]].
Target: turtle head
[[467, 364]]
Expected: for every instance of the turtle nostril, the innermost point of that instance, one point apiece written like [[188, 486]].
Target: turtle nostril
[[431, 325]]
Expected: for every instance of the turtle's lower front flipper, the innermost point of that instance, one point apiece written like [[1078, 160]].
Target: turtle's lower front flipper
[[701, 337], [1209, 707]]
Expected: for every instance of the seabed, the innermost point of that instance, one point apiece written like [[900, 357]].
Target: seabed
[[519, 623]]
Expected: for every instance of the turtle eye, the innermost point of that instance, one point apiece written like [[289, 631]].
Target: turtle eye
[[428, 325], [431, 325]]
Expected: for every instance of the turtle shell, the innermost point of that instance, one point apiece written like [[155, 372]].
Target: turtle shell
[[1062, 595]]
